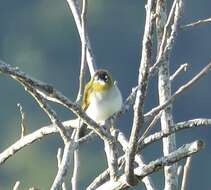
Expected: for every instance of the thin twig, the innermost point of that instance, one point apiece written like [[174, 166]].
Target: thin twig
[[165, 35], [152, 124], [83, 50], [49, 111], [76, 15], [59, 156], [64, 166], [23, 121], [181, 68], [17, 185], [99, 180], [185, 173], [200, 122], [151, 114], [196, 23], [25, 141]]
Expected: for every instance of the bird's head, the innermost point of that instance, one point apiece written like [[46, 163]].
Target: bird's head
[[101, 80]]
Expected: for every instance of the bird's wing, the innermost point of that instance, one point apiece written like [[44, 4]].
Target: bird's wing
[[87, 91]]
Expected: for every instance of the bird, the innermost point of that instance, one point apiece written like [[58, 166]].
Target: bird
[[101, 98]]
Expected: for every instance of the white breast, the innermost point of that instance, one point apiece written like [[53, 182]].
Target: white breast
[[104, 104]]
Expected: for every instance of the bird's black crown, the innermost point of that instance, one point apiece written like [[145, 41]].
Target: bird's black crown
[[102, 75]]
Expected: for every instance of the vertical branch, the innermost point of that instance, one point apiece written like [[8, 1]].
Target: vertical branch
[[89, 55], [76, 157], [165, 38], [59, 160], [185, 173], [111, 154], [164, 89], [64, 165], [74, 180], [83, 50], [138, 119]]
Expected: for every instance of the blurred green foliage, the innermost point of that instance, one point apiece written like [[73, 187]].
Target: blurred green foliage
[[40, 37]]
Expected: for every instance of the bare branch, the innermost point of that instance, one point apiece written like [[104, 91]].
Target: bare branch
[[35, 137], [196, 23], [59, 160], [181, 153], [69, 144], [182, 67], [40, 100], [111, 151], [74, 179], [138, 159], [25, 141], [64, 166], [185, 173], [83, 50], [200, 122], [138, 119], [86, 138], [76, 14], [49, 93], [111, 154], [99, 180], [164, 83], [152, 124], [49, 111], [143, 171], [59, 157], [151, 114], [166, 31]]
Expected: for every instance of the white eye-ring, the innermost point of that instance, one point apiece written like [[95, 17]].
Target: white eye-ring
[[106, 77]]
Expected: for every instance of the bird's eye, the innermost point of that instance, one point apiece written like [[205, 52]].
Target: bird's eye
[[106, 77]]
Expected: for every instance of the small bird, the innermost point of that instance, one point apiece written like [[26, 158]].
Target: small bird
[[102, 98]]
